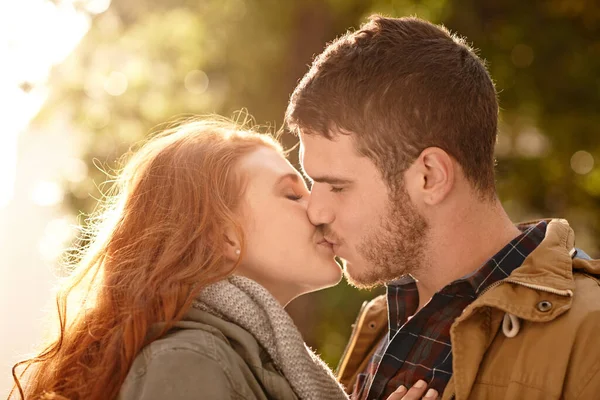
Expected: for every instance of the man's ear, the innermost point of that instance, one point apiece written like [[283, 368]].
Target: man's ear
[[232, 245], [436, 169]]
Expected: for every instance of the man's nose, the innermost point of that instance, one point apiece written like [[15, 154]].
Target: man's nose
[[319, 211]]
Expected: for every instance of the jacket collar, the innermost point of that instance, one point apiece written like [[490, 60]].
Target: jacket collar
[[546, 276], [547, 270], [550, 264]]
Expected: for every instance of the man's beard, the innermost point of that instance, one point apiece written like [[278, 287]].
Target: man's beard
[[395, 246]]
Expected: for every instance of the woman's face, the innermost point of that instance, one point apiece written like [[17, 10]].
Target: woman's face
[[284, 252]]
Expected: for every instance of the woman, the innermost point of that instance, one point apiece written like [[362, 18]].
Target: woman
[[181, 293]]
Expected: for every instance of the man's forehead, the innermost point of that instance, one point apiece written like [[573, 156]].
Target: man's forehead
[[324, 160], [316, 149], [314, 154]]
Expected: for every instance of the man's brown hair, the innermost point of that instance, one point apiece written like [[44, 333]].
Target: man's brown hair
[[398, 86]]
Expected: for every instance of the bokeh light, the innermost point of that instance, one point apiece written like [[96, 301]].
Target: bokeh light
[[57, 235], [196, 82], [582, 162], [97, 6], [116, 83], [522, 56], [531, 143], [46, 193], [74, 170]]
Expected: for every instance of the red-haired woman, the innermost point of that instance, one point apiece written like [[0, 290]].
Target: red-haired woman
[[180, 294]]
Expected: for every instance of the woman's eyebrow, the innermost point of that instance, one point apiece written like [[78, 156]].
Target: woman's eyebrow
[[294, 177]]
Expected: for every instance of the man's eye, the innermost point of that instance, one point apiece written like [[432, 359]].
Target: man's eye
[[336, 189], [294, 197]]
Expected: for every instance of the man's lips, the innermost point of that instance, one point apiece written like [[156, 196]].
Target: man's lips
[[326, 243], [323, 241]]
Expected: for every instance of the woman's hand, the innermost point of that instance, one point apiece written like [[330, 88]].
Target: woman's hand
[[416, 392]]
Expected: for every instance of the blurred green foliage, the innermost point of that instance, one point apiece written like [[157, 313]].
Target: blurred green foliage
[[146, 61]]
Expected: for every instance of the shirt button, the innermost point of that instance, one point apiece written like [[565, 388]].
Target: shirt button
[[544, 306]]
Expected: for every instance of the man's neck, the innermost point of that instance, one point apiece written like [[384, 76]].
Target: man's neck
[[461, 245]]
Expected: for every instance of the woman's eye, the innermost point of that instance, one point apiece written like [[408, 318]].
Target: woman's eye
[[294, 197], [336, 189]]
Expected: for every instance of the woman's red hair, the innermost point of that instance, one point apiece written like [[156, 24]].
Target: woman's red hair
[[159, 242]]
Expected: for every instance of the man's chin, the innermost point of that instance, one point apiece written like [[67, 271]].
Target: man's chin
[[361, 277]]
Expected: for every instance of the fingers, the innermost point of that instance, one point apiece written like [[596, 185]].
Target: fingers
[[416, 392], [431, 394], [398, 394]]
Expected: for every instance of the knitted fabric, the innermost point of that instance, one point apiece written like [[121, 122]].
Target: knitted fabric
[[249, 305]]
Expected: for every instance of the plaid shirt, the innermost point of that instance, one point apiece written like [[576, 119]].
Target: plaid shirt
[[419, 347]]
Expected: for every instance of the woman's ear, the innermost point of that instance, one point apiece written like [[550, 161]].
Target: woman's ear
[[232, 245]]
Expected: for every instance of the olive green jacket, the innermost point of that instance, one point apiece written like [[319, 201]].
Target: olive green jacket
[[205, 357]]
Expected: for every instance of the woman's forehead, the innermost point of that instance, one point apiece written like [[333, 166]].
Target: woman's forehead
[[267, 164]]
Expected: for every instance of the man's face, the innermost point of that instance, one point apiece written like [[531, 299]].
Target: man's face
[[380, 235]]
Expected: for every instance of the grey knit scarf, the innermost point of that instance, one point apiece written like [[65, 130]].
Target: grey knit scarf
[[249, 305]]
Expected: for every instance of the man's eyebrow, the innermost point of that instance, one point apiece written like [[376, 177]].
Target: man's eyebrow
[[332, 180]]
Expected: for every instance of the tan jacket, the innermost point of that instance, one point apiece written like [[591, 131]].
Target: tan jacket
[[205, 357], [548, 348]]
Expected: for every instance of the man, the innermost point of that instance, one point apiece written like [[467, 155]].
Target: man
[[398, 124]]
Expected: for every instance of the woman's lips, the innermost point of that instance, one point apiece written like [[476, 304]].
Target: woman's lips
[[326, 244]]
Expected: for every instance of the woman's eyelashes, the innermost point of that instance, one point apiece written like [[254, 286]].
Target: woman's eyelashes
[[297, 193], [335, 189], [294, 197]]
